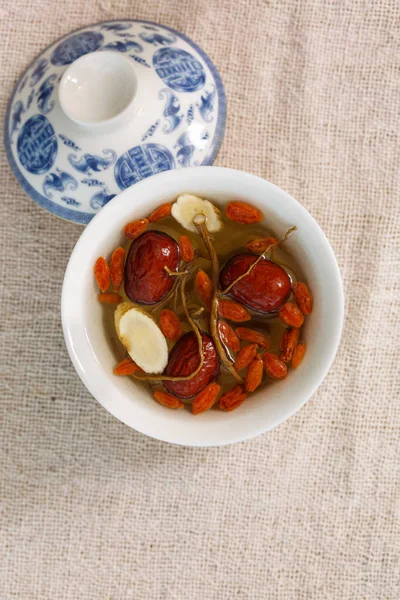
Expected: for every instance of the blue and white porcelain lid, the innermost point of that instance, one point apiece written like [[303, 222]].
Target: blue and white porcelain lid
[[177, 118]]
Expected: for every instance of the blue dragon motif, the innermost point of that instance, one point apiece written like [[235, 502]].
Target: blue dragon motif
[[140, 60], [100, 199], [206, 106], [126, 35], [91, 162], [39, 70], [23, 84], [16, 116], [123, 46], [190, 114], [70, 201], [116, 26], [93, 182], [171, 110], [157, 38], [186, 150], [67, 142], [44, 94], [30, 98], [58, 181], [151, 130]]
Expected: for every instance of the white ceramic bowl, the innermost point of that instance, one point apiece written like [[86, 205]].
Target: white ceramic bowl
[[92, 354]]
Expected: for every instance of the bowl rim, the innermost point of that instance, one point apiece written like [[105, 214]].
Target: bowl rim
[[259, 426]]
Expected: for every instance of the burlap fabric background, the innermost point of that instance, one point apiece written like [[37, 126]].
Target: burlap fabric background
[[92, 510]]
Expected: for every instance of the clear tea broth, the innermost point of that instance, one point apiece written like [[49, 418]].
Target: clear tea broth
[[228, 242]]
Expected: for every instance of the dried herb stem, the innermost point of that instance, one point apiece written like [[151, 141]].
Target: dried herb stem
[[176, 294], [200, 222], [174, 273], [196, 330], [255, 263]]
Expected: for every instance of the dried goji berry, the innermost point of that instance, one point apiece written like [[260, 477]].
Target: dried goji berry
[[233, 311], [170, 325], [167, 400], [161, 212], [303, 297], [228, 336], [252, 335], [109, 298], [260, 245], [186, 248], [232, 399], [241, 212], [245, 356], [254, 374], [274, 366], [102, 273], [205, 399], [298, 355], [291, 315], [126, 367], [289, 340], [136, 228], [117, 267], [203, 287]]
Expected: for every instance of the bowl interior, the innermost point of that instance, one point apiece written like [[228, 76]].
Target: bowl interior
[[93, 354]]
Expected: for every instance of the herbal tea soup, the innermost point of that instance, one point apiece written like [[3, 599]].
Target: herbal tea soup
[[206, 305]]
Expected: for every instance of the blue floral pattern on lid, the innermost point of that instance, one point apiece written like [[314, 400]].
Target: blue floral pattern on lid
[[182, 119], [45, 105]]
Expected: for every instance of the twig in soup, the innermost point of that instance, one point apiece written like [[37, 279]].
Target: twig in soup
[[196, 330], [174, 273], [177, 295], [200, 222], [197, 312], [255, 263]]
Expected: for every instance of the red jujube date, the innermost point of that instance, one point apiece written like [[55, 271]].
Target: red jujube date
[[265, 289], [146, 280], [184, 359]]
